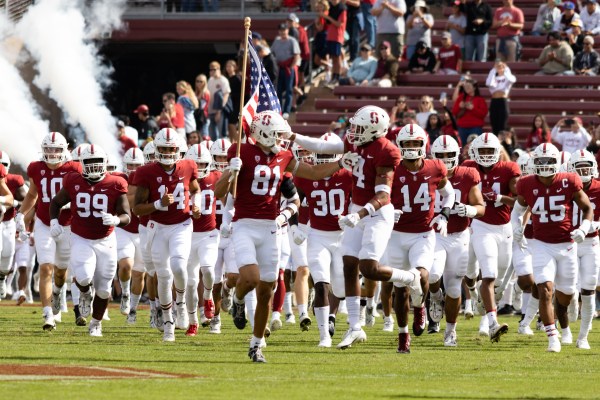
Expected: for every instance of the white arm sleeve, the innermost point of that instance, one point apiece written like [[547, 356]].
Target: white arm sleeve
[[448, 195], [516, 216], [228, 211], [319, 146]]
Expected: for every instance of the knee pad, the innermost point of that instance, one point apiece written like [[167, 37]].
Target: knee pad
[[453, 287], [433, 278], [164, 273], [85, 282], [102, 294]]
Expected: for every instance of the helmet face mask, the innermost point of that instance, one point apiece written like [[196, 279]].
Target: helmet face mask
[[446, 149], [54, 148], [367, 124], [168, 146], [267, 129], [546, 160], [583, 163], [523, 162], [485, 149], [94, 163], [132, 159], [200, 154], [327, 158], [219, 150], [412, 142]]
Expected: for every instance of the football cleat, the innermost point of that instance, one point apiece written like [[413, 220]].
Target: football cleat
[[215, 325], [276, 324], [95, 328], [105, 317], [369, 317], [403, 343], [226, 299], [305, 322], [325, 343], [267, 332], [192, 330], [182, 321], [436, 309], [553, 344], [125, 305], [418, 325], [450, 339], [21, 297], [209, 308], [153, 319], [290, 318], [434, 327], [58, 317], [2, 286], [539, 325], [496, 331], [256, 355], [331, 325], [239, 315], [352, 337], [583, 344], [79, 320], [49, 323], [388, 324], [416, 292], [524, 330], [85, 303], [160, 322], [132, 317], [169, 331], [469, 312], [55, 300], [363, 316], [567, 338]]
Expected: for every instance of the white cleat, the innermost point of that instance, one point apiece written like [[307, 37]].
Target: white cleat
[[226, 299], [436, 310], [388, 324], [105, 317], [290, 318], [132, 317], [55, 300], [305, 322], [553, 344], [153, 319], [58, 317], [276, 324], [95, 328], [215, 325], [484, 328], [583, 344], [182, 321], [49, 323], [125, 305], [352, 337], [450, 339], [416, 292], [169, 332], [524, 330], [325, 343], [363, 316], [370, 317], [567, 338], [85, 303]]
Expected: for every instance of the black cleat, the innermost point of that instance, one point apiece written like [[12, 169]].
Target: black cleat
[[239, 315], [331, 325], [434, 327], [79, 320], [256, 355]]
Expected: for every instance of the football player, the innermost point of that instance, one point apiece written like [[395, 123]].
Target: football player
[[551, 195], [98, 204], [53, 252], [493, 247], [163, 190], [452, 251], [255, 224], [412, 243]]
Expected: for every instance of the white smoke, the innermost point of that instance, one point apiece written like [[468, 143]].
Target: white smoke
[[68, 65], [22, 128]]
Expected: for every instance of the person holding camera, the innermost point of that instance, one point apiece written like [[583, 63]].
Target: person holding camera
[[469, 108], [571, 135]]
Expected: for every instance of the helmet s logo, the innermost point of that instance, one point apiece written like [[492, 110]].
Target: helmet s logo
[[374, 117], [266, 119]]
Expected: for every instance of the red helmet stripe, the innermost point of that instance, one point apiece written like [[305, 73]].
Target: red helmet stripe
[[444, 139], [92, 149], [53, 136]]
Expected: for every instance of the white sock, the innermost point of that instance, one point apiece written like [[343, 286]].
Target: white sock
[[125, 286], [531, 311], [47, 310], [191, 304], [403, 329], [165, 296], [251, 306], [370, 302], [207, 294], [468, 305], [450, 327], [135, 300], [63, 298], [255, 342], [525, 301], [322, 316], [55, 289], [179, 295], [152, 305], [587, 313], [566, 331], [156, 303], [302, 309], [353, 306], [236, 299], [287, 303], [75, 294], [492, 318], [275, 315]]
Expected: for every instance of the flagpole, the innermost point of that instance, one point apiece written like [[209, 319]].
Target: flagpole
[[242, 90]]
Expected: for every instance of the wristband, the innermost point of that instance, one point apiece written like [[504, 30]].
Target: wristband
[[370, 209], [293, 208], [128, 219], [445, 213], [383, 188], [158, 204], [585, 226], [287, 214], [2, 199], [15, 203]]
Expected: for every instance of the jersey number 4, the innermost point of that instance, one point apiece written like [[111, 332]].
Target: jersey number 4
[[178, 195], [421, 198]]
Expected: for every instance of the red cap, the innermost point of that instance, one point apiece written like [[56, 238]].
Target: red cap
[[142, 108]]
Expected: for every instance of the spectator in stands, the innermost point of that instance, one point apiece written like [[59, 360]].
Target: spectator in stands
[[287, 53], [370, 23], [448, 122], [203, 96], [499, 81], [419, 26], [189, 6], [130, 131], [362, 70], [469, 109], [423, 61], [172, 115], [507, 140], [540, 133], [479, 20], [219, 89], [433, 127], [449, 58], [387, 67], [320, 51], [590, 17], [569, 134], [390, 23], [193, 138], [336, 25], [557, 56], [398, 109], [126, 142], [353, 14], [547, 19], [509, 21], [145, 125], [233, 110], [302, 37], [425, 109], [456, 25], [575, 36], [269, 62], [189, 102], [568, 15], [270, 6], [587, 60]]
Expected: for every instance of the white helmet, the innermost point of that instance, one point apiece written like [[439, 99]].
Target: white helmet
[[54, 148], [201, 156], [524, 165], [183, 147], [486, 140], [167, 139], [584, 164], [326, 158], [149, 152], [220, 149], [5, 160], [111, 165], [76, 153], [412, 132], [303, 155], [267, 127], [132, 157], [368, 124], [565, 156], [93, 162], [546, 160], [446, 149]]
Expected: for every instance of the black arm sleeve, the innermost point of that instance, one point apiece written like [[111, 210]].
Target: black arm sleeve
[[288, 189]]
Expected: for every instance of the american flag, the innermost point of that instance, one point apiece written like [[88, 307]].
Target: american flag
[[263, 95]]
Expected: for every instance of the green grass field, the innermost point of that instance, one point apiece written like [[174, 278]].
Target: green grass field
[[517, 367]]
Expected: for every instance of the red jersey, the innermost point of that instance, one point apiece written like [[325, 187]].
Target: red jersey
[[89, 200], [498, 179], [3, 171], [49, 182], [304, 211], [143, 220], [259, 182], [462, 181], [14, 182], [126, 143], [376, 154], [134, 223], [327, 199], [219, 211], [414, 194], [208, 204], [159, 182], [551, 206], [593, 193], [449, 57]]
